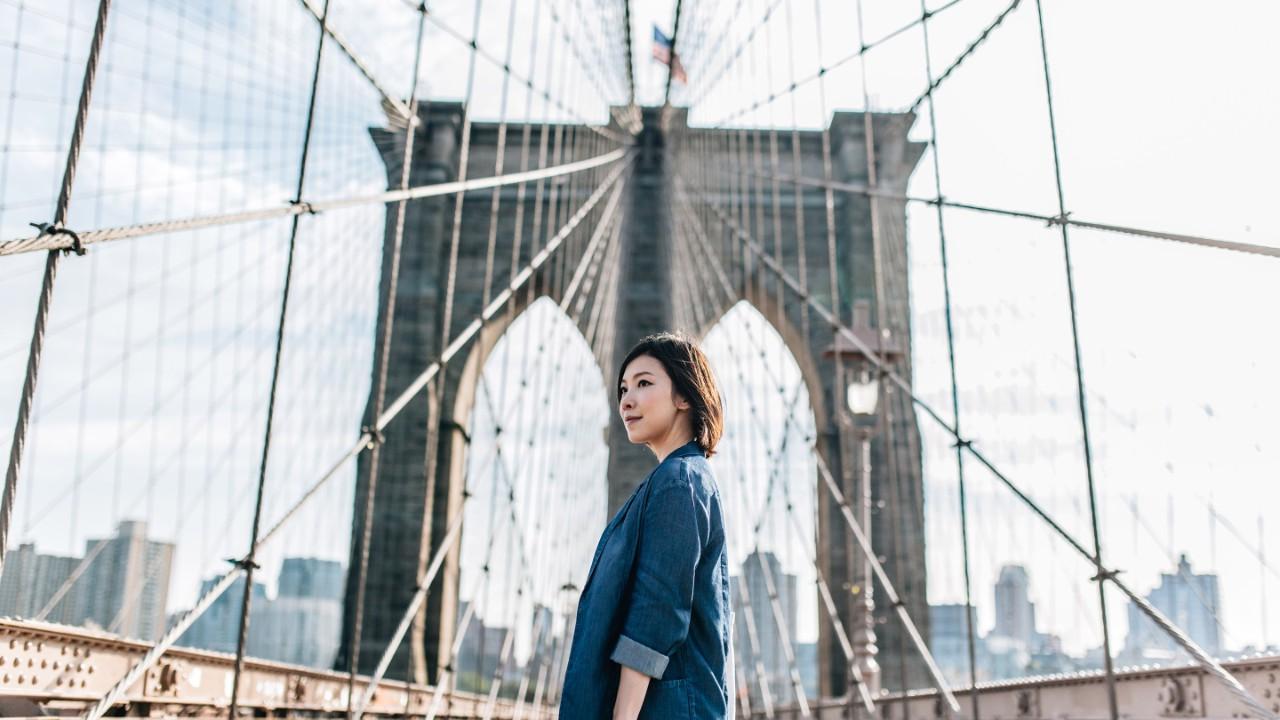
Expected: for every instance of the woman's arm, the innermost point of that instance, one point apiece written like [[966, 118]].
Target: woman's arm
[[632, 685]]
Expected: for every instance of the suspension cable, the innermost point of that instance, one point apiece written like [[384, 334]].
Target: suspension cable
[[46, 241], [249, 563], [1108, 662], [50, 274], [970, 630], [1048, 220]]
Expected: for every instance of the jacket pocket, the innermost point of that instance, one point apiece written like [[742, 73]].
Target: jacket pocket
[[668, 700]]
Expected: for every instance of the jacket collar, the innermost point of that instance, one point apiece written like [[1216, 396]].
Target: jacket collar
[[689, 449]]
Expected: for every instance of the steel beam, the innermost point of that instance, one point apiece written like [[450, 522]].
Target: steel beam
[[58, 669]]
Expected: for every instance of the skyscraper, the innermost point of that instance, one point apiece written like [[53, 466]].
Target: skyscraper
[[219, 627], [949, 641], [1015, 613], [769, 649], [30, 581], [302, 625], [1191, 601], [127, 585]]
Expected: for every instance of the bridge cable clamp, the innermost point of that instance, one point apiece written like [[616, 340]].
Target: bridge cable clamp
[[962, 443], [1058, 220], [1104, 574], [375, 436], [304, 207], [77, 246], [451, 424], [244, 564]]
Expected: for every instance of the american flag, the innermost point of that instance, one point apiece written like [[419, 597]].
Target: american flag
[[663, 53]]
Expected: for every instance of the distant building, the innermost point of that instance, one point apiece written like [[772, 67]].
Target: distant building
[[312, 578], [949, 641], [807, 660], [219, 627], [479, 654], [30, 580], [127, 584], [769, 649], [1015, 613], [302, 625], [1191, 601]]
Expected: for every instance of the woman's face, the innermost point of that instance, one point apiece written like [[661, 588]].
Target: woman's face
[[647, 401]]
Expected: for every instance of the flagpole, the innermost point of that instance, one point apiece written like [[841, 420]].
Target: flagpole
[[671, 62]]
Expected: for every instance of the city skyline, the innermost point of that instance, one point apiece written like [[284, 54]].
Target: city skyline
[[1014, 646]]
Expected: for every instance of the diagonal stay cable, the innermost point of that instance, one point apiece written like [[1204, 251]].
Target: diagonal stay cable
[[57, 241], [403, 113], [393, 410], [935, 83], [824, 70], [527, 82], [1207, 663], [886, 584]]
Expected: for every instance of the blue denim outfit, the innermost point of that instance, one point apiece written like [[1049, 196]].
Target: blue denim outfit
[[657, 600]]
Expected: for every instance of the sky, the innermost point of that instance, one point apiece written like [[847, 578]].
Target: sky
[[1163, 115]]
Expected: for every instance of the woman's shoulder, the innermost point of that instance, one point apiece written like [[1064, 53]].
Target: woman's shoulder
[[686, 471]]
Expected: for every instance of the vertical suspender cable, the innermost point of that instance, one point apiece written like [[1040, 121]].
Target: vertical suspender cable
[[50, 273], [971, 641], [384, 355], [248, 563], [1102, 574]]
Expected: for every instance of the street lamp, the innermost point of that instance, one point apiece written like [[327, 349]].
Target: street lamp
[[864, 361], [863, 394]]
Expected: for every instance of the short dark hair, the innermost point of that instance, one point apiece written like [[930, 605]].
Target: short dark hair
[[691, 379]]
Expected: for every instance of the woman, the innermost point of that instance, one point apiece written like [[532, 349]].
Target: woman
[[653, 624]]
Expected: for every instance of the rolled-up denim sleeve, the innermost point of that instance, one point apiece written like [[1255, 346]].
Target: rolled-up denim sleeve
[[661, 602]]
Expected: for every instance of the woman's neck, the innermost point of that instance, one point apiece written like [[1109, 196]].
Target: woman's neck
[[679, 436]]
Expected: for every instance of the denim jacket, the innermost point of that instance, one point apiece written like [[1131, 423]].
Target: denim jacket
[[657, 600]]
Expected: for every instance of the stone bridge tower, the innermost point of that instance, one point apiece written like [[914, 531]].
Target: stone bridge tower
[[413, 501]]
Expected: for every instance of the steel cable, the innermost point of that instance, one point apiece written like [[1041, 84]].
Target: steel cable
[[50, 273]]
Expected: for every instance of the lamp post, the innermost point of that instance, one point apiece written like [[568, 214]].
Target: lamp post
[[862, 398]]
